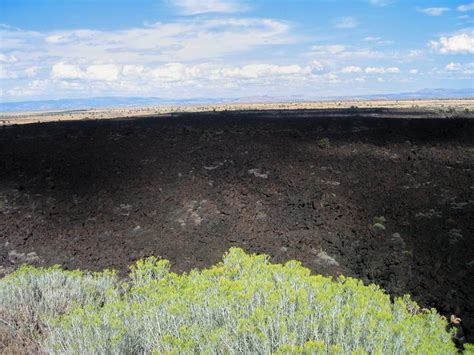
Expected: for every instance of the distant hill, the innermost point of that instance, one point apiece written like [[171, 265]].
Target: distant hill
[[109, 102]]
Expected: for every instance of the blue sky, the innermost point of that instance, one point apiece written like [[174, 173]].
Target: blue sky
[[51, 49]]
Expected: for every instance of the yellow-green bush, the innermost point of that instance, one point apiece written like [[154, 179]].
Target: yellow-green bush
[[243, 305]]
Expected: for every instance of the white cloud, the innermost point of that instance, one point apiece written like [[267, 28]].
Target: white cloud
[[462, 42], [377, 40], [320, 67], [31, 71], [12, 70], [414, 53], [63, 70], [195, 7], [382, 70], [103, 72], [434, 11], [351, 69], [374, 70], [453, 66], [463, 68], [4, 74], [346, 22], [330, 49], [372, 39], [71, 36], [262, 70], [172, 72], [413, 71], [197, 39], [340, 52], [7, 58], [133, 70], [178, 72], [466, 7], [392, 70]]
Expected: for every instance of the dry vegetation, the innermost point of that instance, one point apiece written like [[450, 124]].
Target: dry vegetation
[[449, 107]]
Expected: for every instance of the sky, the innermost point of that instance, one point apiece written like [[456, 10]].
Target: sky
[[178, 49]]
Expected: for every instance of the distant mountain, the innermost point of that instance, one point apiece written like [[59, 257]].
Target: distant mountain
[[425, 94], [109, 102]]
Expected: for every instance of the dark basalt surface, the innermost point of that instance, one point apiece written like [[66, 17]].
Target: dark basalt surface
[[186, 187]]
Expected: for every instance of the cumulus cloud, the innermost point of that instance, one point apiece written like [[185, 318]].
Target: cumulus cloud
[[413, 71], [31, 71], [343, 52], [382, 70], [464, 68], [7, 58], [187, 40], [414, 53], [63, 70], [71, 36], [434, 11], [133, 71], [351, 69], [466, 7], [176, 72], [320, 67], [262, 70], [377, 40], [102, 72], [329, 49], [346, 22], [195, 7], [173, 72], [459, 43]]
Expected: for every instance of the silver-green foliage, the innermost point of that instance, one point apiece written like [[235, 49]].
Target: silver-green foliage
[[244, 305], [30, 296]]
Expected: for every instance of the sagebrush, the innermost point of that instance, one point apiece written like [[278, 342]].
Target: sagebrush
[[243, 305]]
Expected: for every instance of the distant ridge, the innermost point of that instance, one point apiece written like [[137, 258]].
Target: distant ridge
[[117, 101], [425, 94]]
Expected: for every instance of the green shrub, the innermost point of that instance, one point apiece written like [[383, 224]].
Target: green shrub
[[324, 143], [243, 305], [468, 348]]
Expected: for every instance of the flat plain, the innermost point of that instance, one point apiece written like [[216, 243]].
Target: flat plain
[[439, 108]]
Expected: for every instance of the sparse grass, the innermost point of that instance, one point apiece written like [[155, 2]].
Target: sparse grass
[[324, 143], [379, 226], [379, 219], [243, 305], [378, 223]]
